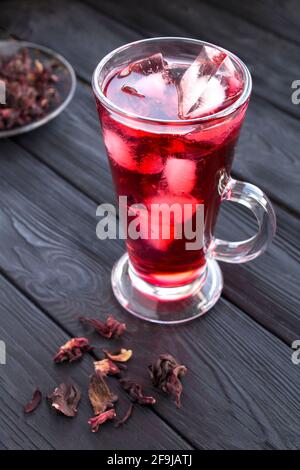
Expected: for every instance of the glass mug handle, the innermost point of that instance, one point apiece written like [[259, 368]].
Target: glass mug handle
[[254, 199]]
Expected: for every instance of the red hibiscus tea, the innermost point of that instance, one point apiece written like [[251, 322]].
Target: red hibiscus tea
[[170, 141]]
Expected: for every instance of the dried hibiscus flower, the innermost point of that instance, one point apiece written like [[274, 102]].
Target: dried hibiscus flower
[[132, 91], [34, 402], [106, 367], [110, 329], [30, 89], [72, 350], [100, 395], [96, 421], [65, 399], [121, 356], [135, 392], [126, 417], [165, 374]]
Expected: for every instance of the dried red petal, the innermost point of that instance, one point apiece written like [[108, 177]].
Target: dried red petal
[[120, 356], [135, 392], [132, 91], [65, 399], [110, 329], [72, 350], [29, 89], [34, 402], [106, 367], [126, 417], [165, 374], [96, 421], [100, 395]]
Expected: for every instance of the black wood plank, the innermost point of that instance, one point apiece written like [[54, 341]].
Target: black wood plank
[[31, 339], [267, 154], [242, 388], [280, 17]]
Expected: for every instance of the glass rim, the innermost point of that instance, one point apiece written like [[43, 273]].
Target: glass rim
[[220, 114]]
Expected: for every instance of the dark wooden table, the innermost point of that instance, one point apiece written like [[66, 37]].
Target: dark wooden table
[[242, 389]]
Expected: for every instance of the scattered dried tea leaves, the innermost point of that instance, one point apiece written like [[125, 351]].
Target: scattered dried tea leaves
[[65, 399], [96, 421], [100, 395], [72, 350], [30, 89], [106, 367], [165, 374], [34, 402], [135, 392], [132, 91], [126, 417], [112, 328], [121, 356]]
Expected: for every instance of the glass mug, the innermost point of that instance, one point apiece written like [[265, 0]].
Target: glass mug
[[177, 162]]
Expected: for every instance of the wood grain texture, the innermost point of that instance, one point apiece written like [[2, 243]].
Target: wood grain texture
[[280, 17], [242, 388], [31, 340], [241, 391]]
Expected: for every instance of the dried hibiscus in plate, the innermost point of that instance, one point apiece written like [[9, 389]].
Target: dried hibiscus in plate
[[30, 89]]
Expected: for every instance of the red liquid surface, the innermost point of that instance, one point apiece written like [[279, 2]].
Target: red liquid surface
[[165, 163]]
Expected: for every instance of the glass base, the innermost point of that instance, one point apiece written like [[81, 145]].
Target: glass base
[[166, 305]]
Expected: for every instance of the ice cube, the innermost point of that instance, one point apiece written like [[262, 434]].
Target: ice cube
[[180, 175], [122, 152], [212, 97], [152, 86], [195, 81], [169, 200], [150, 164], [149, 65], [119, 150], [152, 228]]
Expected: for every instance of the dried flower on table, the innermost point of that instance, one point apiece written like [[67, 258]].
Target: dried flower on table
[[110, 329], [135, 392], [34, 402], [126, 417], [96, 421], [165, 374], [72, 350], [100, 395], [65, 399], [106, 367], [120, 356], [30, 89]]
